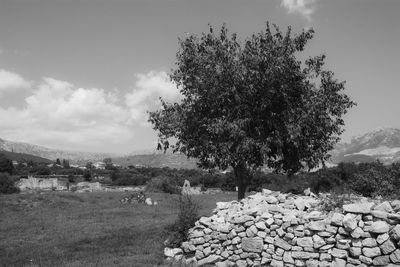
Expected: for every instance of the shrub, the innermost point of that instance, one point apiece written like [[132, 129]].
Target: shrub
[[87, 176], [7, 185], [71, 178], [163, 184], [187, 216], [134, 180], [373, 179]]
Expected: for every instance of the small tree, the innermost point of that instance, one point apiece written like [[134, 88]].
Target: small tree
[[7, 185], [6, 164], [246, 105]]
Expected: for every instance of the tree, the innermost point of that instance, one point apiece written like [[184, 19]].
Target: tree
[[6, 165], [58, 162], [7, 185], [252, 104], [65, 164]]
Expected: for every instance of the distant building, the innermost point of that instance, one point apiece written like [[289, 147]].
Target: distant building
[[99, 165]]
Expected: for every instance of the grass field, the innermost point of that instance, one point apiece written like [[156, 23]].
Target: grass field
[[88, 229]]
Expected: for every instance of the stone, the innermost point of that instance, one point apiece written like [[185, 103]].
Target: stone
[[395, 233], [384, 206], [199, 254], [271, 199], [365, 260], [356, 233], [349, 222], [339, 263], [305, 242], [395, 256], [382, 238], [210, 259], [316, 226], [371, 252], [339, 253], [369, 242], [387, 247], [241, 263], [276, 263], [171, 252], [378, 227], [381, 261], [282, 244], [252, 244], [355, 252], [304, 255], [379, 214], [318, 241], [360, 208], [287, 257], [261, 225]]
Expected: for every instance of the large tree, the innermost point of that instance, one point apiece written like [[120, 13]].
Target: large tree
[[251, 104]]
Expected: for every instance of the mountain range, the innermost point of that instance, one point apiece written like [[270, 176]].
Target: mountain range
[[381, 144]]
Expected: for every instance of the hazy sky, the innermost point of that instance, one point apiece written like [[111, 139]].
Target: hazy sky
[[80, 74]]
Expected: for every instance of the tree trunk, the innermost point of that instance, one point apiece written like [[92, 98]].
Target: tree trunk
[[242, 179]]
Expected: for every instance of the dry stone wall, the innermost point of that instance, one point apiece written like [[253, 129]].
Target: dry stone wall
[[273, 229]]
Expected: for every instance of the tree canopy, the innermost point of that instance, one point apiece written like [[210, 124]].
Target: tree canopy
[[251, 104]]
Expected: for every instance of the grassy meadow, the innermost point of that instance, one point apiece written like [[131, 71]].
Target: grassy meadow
[[88, 229]]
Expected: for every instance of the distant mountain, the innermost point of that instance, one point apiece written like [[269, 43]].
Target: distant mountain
[[51, 154], [22, 157], [381, 144], [158, 160]]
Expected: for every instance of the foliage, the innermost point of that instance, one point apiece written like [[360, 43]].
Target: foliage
[[246, 105], [163, 184], [373, 179], [87, 176], [187, 216], [40, 170], [127, 179], [6, 164], [7, 185]]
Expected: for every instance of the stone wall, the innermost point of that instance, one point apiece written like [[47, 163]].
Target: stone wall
[[32, 183], [273, 229]]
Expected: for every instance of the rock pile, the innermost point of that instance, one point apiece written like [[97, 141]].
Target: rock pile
[[274, 229]]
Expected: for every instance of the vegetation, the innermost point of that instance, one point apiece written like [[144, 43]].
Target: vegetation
[[7, 185], [253, 103], [6, 164], [187, 216], [91, 229]]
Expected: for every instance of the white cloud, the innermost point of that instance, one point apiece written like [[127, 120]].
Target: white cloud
[[145, 95], [12, 81], [59, 114], [303, 7]]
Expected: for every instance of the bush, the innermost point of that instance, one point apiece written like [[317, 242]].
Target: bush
[[373, 179], [163, 184], [133, 180], [7, 185], [188, 215], [87, 176]]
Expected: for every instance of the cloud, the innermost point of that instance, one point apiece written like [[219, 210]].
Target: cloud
[[12, 81], [59, 114], [145, 95], [303, 7]]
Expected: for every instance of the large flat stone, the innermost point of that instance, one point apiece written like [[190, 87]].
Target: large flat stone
[[361, 208]]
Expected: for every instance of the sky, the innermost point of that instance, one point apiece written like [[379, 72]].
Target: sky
[[81, 74]]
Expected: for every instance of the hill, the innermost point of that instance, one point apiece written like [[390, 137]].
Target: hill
[[50, 153], [158, 160], [21, 157], [381, 144]]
